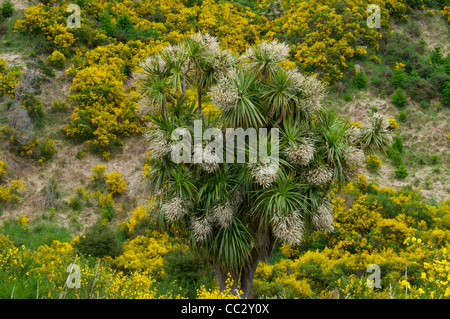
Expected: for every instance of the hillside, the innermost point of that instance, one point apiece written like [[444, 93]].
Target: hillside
[[74, 152]]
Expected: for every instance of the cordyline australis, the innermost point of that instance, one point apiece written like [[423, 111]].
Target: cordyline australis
[[230, 213]]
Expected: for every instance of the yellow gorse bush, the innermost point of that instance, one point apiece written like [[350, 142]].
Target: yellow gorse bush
[[3, 170], [147, 253], [11, 193], [116, 182], [9, 78]]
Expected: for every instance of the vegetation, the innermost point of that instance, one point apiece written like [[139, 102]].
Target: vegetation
[[89, 118]]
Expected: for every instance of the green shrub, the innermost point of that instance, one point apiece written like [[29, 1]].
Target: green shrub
[[398, 78], [401, 172], [399, 99], [360, 80], [7, 9], [397, 144], [419, 89], [396, 157], [99, 241], [182, 267], [373, 163], [436, 56], [107, 212], [47, 149], [445, 91], [58, 106], [435, 159], [75, 203], [402, 116], [348, 97]]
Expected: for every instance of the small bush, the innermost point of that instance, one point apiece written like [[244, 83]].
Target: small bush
[[56, 59], [436, 56], [33, 106], [399, 99], [397, 144], [360, 80], [107, 212], [58, 106], [401, 172], [402, 116], [99, 241], [7, 9], [435, 159], [75, 203], [99, 172], [398, 78], [47, 149], [116, 183], [3, 170], [396, 157], [373, 163]]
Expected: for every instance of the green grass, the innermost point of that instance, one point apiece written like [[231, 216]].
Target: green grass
[[36, 234]]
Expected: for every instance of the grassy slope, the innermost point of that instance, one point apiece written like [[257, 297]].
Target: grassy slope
[[423, 133]]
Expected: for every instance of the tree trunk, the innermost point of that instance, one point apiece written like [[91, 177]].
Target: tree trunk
[[263, 249], [248, 273], [199, 93], [222, 276]]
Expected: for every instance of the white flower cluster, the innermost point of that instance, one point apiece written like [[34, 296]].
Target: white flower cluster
[[300, 153], [174, 209], [355, 135], [354, 158], [224, 94], [319, 176], [158, 146], [154, 64], [288, 228], [323, 219], [265, 174], [223, 215], [376, 122], [314, 92], [201, 228], [222, 61], [272, 51], [210, 162]]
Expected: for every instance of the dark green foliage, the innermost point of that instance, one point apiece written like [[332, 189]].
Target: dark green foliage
[[360, 80], [402, 116], [396, 157], [397, 144], [182, 267], [107, 212], [401, 172], [75, 203], [398, 78], [399, 99], [100, 241], [106, 24], [445, 91], [7, 9], [436, 56], [125, 23]]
